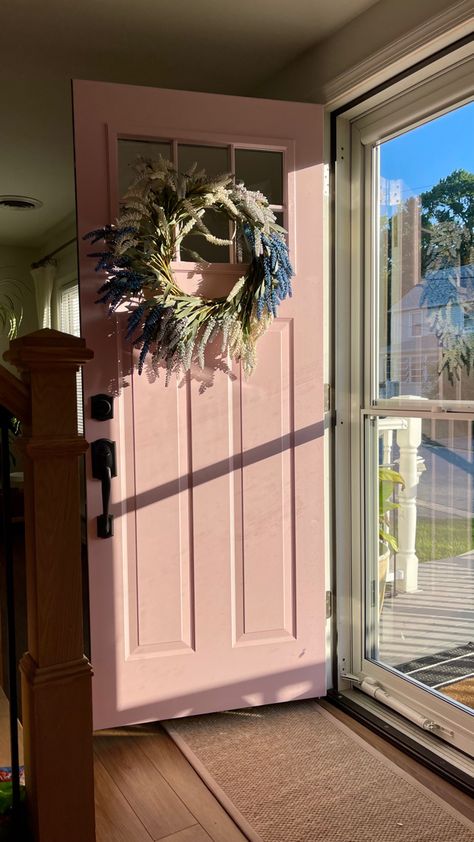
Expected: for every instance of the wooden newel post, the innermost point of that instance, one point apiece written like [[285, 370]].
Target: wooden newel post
[[56, 676]]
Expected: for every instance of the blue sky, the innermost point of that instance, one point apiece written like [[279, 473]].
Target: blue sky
[[422, 156]]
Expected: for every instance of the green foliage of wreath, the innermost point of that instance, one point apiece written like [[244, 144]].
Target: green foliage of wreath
[[160, 209]]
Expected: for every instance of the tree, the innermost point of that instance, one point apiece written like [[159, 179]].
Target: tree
[[448, 220], [447, 244]]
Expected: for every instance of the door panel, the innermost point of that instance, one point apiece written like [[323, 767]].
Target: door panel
[[210, 595]]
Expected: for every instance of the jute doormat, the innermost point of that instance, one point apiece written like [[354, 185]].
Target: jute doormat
[[293, 773], [450, 672], [461, 691]]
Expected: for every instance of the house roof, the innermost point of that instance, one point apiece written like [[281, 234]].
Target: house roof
[[438, 288]]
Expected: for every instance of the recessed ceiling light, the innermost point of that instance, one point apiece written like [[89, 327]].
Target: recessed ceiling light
[[19, 203]]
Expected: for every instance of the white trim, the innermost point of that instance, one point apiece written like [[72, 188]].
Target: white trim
[[433, 35], [328, 414], [446, 89], [342, 377]]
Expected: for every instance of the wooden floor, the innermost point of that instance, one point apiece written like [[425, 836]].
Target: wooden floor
[[146, 790]]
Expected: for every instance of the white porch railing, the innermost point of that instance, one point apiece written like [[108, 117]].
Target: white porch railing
[[407, 434]]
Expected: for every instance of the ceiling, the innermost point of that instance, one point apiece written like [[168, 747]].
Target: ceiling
[[202, 45]]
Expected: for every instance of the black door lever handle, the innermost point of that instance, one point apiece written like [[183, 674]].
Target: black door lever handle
[[104, 468]]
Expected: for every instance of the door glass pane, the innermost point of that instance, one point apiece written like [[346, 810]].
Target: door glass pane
[[279, 216], [215, 160], [425, 218], [420, 553], [130, 150], [242, 249], [261, 170]]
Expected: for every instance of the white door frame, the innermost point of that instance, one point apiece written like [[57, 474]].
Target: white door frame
[[419, 98]]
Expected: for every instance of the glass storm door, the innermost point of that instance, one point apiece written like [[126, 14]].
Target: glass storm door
[[210, 594], [417, 423]]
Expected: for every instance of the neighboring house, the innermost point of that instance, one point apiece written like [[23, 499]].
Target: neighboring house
[[410, 364]]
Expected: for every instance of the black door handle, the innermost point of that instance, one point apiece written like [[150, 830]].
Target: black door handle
[[104, 468]]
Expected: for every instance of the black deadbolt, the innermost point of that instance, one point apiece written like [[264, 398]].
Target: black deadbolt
[[102, 407]]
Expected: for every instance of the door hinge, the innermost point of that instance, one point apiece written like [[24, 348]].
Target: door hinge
[[329, 605], [328, 397]]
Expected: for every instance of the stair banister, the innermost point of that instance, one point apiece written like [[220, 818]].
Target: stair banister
[[56, 675], [14, 395]]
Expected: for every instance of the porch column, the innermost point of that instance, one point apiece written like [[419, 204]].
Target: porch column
[[56, 676], [409, 440]]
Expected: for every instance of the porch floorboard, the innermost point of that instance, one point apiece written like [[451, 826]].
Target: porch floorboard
[[436, 617]]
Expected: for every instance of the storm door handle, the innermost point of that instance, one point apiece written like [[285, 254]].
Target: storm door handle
[[104, 468]]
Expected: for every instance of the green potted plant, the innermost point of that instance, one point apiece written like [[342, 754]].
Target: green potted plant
[[388, 480]]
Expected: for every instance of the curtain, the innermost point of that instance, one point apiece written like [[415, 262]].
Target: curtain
[[43, 276]]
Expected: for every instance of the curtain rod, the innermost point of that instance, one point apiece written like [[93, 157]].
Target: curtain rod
[[53, 253]]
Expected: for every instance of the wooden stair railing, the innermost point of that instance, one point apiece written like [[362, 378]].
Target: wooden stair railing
[[14, 396], [56, 675]]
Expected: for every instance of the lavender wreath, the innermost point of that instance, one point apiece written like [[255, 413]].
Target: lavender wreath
[[161, 207]]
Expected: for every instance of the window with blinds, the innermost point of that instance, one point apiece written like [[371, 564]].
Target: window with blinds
[[69, 322]]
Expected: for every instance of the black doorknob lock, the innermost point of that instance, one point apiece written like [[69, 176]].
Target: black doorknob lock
[[102, 407], [104, 467]]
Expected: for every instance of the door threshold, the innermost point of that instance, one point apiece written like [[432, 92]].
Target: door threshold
[[448, 762]]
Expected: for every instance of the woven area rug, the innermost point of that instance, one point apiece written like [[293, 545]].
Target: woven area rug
[[294, 773]]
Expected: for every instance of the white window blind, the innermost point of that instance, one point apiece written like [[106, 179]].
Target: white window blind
[[69, 322]]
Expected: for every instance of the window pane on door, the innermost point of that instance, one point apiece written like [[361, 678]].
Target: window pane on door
[[420, 557], [261, 170], [425, 219], [195, 247], [216, 161], [128, 153]]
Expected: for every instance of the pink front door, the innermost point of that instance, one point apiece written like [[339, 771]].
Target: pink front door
[[210, 594]]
